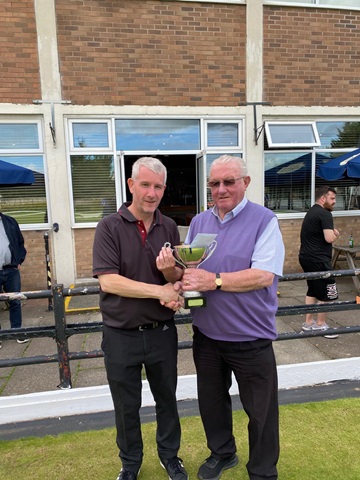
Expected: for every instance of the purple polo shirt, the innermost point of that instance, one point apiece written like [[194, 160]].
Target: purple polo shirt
[[119, 249]]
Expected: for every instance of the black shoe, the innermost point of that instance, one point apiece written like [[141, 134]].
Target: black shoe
[[127, 475], [174, 468], [213, 468]]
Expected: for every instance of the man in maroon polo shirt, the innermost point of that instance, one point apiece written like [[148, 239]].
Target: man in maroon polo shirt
[[137, 302]]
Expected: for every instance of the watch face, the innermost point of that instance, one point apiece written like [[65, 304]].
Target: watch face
[[218, 281]]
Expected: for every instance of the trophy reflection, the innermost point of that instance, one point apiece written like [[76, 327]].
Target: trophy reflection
[[192, 257]]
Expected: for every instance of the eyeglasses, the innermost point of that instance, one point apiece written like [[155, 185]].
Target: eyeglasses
[[228, 182]]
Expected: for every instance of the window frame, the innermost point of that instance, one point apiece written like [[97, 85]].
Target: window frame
[[20, 151], [230, 148], [74, 149], [272, 144]]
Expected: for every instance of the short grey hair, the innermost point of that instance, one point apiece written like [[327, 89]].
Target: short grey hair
[[152, 164], [225, 159]]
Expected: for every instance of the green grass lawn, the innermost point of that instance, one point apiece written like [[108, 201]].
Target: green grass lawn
[[319, 441]]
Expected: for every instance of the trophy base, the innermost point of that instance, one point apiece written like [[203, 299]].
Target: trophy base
[[194, 300]]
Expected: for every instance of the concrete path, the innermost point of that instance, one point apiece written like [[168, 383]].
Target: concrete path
[[302, 362]]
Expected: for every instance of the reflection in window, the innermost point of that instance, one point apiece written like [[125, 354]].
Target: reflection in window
[[347, 190], [93, 181], [157, 135], [90, 135], [222, 134], [288, 181], [19, 136], [27, 204]]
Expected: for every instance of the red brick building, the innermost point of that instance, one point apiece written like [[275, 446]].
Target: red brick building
[[88, 86]]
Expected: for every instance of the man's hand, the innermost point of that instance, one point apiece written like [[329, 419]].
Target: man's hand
[[197, 279], [169, 296], [165, 262]]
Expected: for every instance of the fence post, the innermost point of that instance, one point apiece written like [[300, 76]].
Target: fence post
[[61, 338]]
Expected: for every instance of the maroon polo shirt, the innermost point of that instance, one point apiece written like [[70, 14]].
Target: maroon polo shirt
[[119, 248]]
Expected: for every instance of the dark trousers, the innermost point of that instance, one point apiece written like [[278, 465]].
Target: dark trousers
[[254, 367], [125, 353], [10, 281]]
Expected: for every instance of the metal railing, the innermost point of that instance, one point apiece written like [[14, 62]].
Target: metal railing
[[61, 331]]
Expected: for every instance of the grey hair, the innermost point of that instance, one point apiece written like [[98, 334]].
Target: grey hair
[[152, 164], [225, 159]]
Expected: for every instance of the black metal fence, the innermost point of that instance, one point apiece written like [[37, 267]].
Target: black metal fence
[[61, 331]]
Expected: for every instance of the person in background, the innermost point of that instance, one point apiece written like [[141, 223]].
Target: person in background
[[233, 334], [137, 302], [316, 237], [12, 255]]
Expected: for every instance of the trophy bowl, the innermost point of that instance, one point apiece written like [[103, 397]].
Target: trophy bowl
[[192, 257]]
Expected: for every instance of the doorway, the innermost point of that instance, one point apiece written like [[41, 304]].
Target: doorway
[[179, 200]]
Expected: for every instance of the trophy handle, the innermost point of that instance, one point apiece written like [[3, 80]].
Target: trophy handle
[[211, 250], [168, 245]]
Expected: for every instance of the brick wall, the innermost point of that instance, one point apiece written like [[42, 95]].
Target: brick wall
[[151, 52], [33, 270], [290, 230], [311, 56], [18, 52], [84, 239]]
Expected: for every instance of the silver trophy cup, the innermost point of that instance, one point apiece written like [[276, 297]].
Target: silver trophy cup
[[192, 257]]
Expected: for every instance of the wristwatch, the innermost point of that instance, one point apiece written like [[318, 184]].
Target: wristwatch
[[218, 281]]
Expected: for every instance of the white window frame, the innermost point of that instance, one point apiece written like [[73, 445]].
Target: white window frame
[[240, 124], [77, 150], [311, 125], [22, 151]]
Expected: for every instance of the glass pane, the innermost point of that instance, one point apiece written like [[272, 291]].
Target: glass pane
[[347, 190], [340, 3], [19, 136], [291, 134], [90, 135], [154, 135], [288, 181], [93, 181], [339, 134], [222, 135], [27, 204]]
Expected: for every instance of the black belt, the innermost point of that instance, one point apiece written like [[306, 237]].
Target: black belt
[[6, 267], [148, 326]]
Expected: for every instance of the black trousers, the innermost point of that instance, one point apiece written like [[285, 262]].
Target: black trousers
[[125, 353], [254, 367]]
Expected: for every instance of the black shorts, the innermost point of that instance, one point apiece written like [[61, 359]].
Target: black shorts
[[323, 289]]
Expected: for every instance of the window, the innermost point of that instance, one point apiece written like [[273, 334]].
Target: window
[[335, 3], [21, 145], [221, 134], [290, 175], [157, 135], [93, 183], [90, 135], [292, 134]]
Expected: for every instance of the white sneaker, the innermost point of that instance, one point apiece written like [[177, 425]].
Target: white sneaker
[[23, 340], [307, 327], [317, 327], [0, 344]]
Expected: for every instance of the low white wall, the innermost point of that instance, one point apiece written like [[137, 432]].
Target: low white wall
[[77, 401]]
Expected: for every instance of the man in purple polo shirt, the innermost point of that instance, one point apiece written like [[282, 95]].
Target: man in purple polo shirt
[[137, 302], [233, 334]]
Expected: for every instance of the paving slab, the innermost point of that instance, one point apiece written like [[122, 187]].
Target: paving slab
[[91, 372]]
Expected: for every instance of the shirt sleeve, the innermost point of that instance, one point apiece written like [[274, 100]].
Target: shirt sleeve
[[269, 250]]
